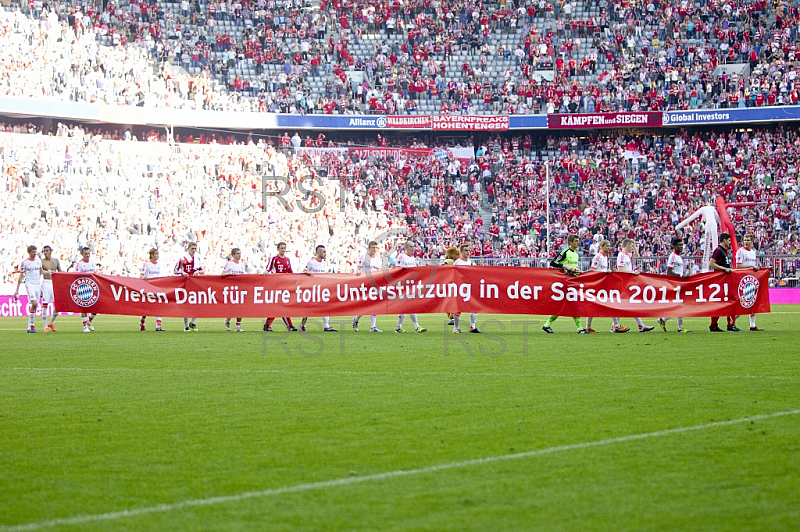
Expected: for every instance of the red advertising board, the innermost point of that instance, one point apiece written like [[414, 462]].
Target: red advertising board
[[604, 120], [421, 290], [470, 122], [409, 121]]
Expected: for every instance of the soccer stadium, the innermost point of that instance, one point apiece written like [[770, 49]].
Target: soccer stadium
[[375, 213]]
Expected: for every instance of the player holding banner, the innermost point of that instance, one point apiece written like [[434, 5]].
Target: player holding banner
[[49, 267], [567, 261], [599, 264], [371, 262], [746, 258], [407, 260], [86, 265], [188, 266], [676, 268], [625, 264], [234, 267], [317, 265], [31, 272], [721, 263], [279, 263], [463, 260], [150, 270]]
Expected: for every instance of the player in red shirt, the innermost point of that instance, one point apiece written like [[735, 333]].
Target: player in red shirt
[[188, 266], [279, 263]]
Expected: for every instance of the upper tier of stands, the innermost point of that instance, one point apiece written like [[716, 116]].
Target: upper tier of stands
[[421, 56]]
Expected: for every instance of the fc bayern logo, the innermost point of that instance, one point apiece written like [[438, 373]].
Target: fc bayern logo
[[381, 121], [84, 292], [748, 291]]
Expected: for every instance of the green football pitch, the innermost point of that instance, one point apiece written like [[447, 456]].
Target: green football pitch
[[510, 430]]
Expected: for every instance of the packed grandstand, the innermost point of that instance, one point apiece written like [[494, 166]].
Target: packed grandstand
[[122, 190]]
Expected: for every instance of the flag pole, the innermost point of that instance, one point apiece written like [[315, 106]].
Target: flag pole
[[547, 199]]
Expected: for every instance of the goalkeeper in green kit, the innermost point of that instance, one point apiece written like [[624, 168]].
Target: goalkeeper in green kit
[[567, 261]]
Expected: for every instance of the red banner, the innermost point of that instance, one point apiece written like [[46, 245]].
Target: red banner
[[409, 121], [391, 152], [422, 290], [599, 120], [470, 122]]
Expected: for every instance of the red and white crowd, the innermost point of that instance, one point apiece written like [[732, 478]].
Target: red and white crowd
[[72, 187], [460, 56]]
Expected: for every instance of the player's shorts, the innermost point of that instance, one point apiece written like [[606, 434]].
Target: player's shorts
[[34, 292], [47, 292]]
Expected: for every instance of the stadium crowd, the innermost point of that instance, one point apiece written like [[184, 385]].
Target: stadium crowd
[[392, 57], [73, 187], [121, 198]]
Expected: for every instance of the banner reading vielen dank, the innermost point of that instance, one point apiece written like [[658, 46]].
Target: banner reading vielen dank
[[422, 290]]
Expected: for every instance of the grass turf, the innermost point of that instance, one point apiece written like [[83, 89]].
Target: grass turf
[[122, 420]]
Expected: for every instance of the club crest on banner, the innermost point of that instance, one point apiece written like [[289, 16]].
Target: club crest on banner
[[84, 292], [748, 291]]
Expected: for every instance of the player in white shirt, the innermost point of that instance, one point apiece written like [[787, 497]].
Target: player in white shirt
[[625, 264], [406, 259], [371, 262], [747, 258], [49, 267], [599, 264], [317, 265], [463, 260], [150, 270], [86, 265], [31, 272], [676, 267], [234, 266]]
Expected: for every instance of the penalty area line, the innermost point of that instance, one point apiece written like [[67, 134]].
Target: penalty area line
[[298, 488]]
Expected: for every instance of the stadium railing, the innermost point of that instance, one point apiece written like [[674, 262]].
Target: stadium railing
[[784, 268]]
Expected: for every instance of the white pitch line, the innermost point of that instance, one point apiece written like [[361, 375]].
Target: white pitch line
[[298, 488], [400, 373]]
